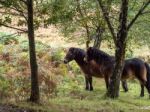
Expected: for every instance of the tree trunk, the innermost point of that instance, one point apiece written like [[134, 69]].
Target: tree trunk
[[85, 25], [33, 64], [88, 37], [98, 37], [113, 90]]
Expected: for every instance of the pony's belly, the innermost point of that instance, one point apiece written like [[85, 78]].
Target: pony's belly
[[129, 75], [97, 73]]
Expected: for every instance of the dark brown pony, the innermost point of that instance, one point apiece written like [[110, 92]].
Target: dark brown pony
[[78, 55], [132, 67]]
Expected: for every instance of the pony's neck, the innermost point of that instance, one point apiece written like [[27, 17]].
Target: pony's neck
[[80, 61]]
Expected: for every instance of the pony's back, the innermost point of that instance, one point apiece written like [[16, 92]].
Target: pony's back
[[99, 56]]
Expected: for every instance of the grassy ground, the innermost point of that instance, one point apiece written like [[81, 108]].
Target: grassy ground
[[79, 100], [97, 102]]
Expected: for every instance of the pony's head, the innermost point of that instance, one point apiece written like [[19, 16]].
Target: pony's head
[[76, 54], [70, 55]]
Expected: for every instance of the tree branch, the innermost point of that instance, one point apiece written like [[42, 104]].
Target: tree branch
[[1, 24], [15, 8], [146, 12], [138, 14], [19, 11], [85, 25], [107, 19]]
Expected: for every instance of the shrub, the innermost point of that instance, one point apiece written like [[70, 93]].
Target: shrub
[[4, 88], [57, 54]]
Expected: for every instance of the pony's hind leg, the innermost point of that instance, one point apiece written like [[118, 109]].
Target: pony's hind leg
[[88, 83], [148, 78], [124, 85], [107, 82], [148, 88]]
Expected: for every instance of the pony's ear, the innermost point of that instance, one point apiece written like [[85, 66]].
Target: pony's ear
[[90, 48], [65, 50], [72, 49]]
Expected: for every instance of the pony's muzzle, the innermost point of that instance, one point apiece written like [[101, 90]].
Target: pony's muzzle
[[65, 61]]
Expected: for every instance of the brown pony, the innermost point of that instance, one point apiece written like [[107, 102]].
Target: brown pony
[[132, 67], [78, 55]]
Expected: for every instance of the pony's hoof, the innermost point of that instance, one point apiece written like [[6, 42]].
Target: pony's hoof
[[126, 90], [141, 95], [87, 89], [91, 89]]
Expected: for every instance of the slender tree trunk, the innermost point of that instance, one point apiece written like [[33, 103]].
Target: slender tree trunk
[[33, 64], [88, 37], [85, 25], [113, 90], [98, 37]]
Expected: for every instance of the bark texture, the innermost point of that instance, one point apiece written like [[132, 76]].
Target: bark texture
[[35, 96]]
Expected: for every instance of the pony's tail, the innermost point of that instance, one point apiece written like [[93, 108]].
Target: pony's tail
[[148, 76]]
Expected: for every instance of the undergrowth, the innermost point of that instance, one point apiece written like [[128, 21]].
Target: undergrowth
[[61, 86]]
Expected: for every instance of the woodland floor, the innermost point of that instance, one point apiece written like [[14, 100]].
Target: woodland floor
[[84, 101], [12, 108]]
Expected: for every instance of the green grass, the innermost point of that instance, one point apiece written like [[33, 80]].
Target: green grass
[[97, 102], [79, 100]]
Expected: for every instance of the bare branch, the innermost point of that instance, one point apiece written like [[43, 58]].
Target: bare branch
[[20, 11], [138, 14], [107, 19], [22, 30], [146, 12]]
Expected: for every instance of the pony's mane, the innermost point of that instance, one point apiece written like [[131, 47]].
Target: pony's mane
[[79, 53], [99, 56]]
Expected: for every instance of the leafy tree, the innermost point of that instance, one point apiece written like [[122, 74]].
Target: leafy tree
[[24, 10], [120, 40], [78, 16]]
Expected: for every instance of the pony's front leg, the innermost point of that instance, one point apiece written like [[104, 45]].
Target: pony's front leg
[[142, 91], [87, 83], [90, 84], [124, 85]]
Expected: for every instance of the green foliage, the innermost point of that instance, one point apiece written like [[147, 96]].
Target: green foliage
[[7, 38], [5, 87], [139, 33], [72, 17], [16, 11], [74, 67], [57, 54], [70, 84]]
